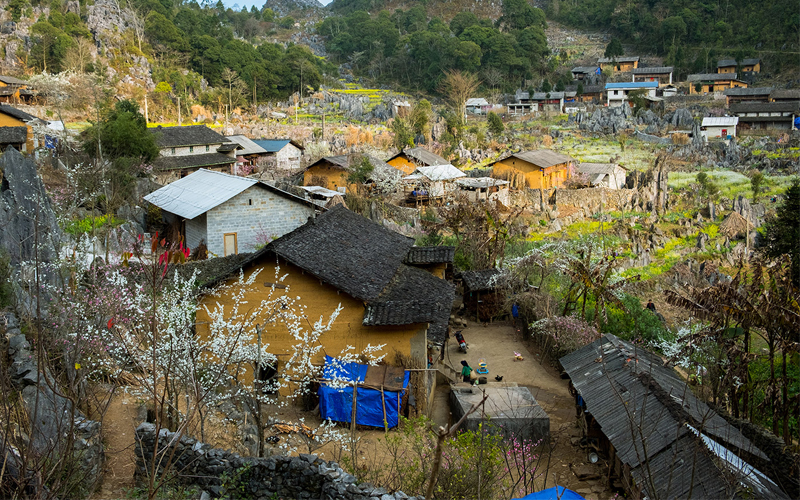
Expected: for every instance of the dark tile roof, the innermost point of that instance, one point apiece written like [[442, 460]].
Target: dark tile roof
[[736, 91], [477, 281], [621, 59], [656, 70], [10, 80], [750, 62], [192, 161], [16, 113], [724, 63], [231, 146], [543, 158], [430, 255], [13, 135], [346, 250], [424, 156], [584, 69], [193, 135], [765, 107], [785, 94], [645, 409], [711, 77]]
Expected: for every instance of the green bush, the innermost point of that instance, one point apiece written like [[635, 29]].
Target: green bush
[[87, 224], [633, 323]]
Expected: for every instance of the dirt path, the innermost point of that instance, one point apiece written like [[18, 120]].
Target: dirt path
[[118, 432], [496, 344]]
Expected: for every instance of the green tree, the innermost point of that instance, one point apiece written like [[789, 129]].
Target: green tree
[[781, 233], [403, 134], [580, 89], [420, 118], [613, 49], [496, 125], [122, 133], [360, 172], [519, 14], [546, 87], [756, 184], [709, 190]]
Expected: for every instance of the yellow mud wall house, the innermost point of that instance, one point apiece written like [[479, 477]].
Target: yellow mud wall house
[[330, 172], [410, 158], [540, 169], [340, 257], [13, 117], [13, 90]]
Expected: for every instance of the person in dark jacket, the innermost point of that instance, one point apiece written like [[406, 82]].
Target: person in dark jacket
[[651, 306], [466, 371]]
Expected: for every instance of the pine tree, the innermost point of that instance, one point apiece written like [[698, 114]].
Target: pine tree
[[781, 234]]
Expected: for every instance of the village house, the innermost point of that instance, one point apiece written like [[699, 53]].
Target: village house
[[409, 159], [747, 94], [657, 439], [522, 104], [539, 169], [332, 172], [719, 127], [661, 74], [477, 106], [617, 93], [284, 154], [607, 175], [16, 129], [584, 72], [767, 115], [784, 95], [747, 66], [482, 293], [431, 183], [15, 91], [249, 155], [228, 213], [183, 150], [476, 189], [342, 258], [704, 83], [322, 196], [618, 64], [591, 93]]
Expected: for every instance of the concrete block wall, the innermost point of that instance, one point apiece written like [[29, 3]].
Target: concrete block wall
[[195, 231], [253, 214]]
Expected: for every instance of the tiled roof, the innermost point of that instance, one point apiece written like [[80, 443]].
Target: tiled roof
[[765, 107], [192, 135], [13, 135], [423, 156], [742, 91], [598, 168], [785, 94], [656, 70], [10, 80], [16, 113], [484, 279], [651, 417], [750, 62], [725, 63], [711, 77], [543, 158], [192, 161], [584, 69], [605, 60], [430, 255]]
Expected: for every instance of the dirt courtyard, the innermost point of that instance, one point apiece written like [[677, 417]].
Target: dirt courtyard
[[496, 343]]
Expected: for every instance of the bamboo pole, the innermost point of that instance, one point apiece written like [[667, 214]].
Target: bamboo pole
[[353, 416], [383, 402]]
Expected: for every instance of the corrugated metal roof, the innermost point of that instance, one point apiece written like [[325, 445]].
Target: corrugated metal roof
[[248, 146], [632, 85], [477, 101], [271, 145], [321, 191], [480, 182], [439, 172], [720, 121], [198, 192]]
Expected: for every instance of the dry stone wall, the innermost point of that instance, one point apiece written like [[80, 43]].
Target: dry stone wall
[[305, 476]]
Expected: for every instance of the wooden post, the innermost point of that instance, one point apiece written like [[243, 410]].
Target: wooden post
[[353, 416], [383, 402]]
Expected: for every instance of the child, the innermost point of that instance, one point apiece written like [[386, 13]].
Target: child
[[466, 371]]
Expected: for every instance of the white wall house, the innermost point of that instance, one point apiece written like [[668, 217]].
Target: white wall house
[[230, 214], [285, 153], [617, 93], [183, 150], [719, 127]]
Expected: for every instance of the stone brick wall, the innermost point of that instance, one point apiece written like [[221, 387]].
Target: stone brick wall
[[306, 476], [196, 231], [289, 157], [252, 213]]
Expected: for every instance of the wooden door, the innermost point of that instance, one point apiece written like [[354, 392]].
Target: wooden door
[[230, 244]]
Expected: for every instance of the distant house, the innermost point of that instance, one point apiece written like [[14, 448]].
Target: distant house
[[285, 154], [617, 93], [703, 83], [342, 259], [719, 127], [582, 72], [428, 183], [332, 172], [409, 159], [767, 115], [539, 169], [747, 66], [19, 129], [657, 438], [745, 94], [477, 106], [183, 150], [784, 95], [482, 293], [14, 91], [661, 74], [619, 64], [591, 93], [230, 214], [476, 189], [608, 175], [522, 104], [250, 153]]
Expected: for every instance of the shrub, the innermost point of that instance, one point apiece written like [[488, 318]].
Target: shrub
[[496, 126], [566, 334]]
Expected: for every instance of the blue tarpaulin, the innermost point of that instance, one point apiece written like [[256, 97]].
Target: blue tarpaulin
[[337, 403], [554, 493]]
